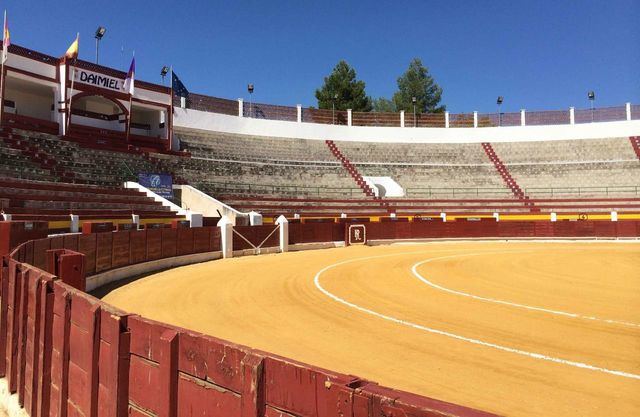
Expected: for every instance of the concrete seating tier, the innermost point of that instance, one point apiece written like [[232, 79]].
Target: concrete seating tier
[[579, 150], [89, 165], [334, 207], [36, 200]]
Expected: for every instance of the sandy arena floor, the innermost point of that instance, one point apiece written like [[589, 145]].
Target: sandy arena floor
[[520, 329]]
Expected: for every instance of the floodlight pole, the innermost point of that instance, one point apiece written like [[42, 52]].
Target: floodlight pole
[[414, 100]]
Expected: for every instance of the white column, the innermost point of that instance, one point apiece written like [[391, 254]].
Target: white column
[[255, 218], [523, 118], [299, 110], [74, 227], [183, 102], [348, 117], [628, 108], [475, 119], [343, 215], [240, 107], [401, 118], [572, 116], [446, 119], [135, 219], [443, 216], [296, 216], [62, 97], [496, 216], [6, 217], [553, 217], [392, 215], [195, 219], [614, 216], [226, 237], [284, 233]]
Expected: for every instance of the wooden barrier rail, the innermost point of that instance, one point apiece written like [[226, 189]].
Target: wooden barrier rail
[[66, 353]]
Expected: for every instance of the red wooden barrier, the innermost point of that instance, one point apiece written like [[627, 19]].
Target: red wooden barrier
[[67, 354]]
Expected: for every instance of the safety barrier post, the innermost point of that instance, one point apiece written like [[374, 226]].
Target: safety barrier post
[[255, 218], [74, 227], [226, 236], [252, 400], [614, 216], [168, 399], [443, 216], [284, 233], [496, 216], [553, 217], [68, 266]]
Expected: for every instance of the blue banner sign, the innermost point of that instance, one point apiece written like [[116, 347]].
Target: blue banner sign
[[160, 184]]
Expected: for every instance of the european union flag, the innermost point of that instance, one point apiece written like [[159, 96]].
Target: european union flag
[[178, 88]]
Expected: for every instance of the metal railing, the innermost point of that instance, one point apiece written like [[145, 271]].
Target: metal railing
[[269, 189], [469, 120], [630, 191], [418, 192]]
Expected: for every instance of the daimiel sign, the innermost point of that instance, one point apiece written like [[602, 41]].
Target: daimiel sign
[[98, 80]]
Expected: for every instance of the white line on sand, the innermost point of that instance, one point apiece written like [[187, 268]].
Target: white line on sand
[[534, 355], [415, 267]]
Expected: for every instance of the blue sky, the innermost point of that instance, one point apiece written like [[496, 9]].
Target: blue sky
[[537, 54]]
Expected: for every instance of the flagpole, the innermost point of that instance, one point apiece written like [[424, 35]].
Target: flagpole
[[130, 100], [73, 78], [170, 116], [4, 53], [129, 118]]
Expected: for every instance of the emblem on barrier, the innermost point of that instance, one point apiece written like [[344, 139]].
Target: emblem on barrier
[[583, 216], [357, 234]]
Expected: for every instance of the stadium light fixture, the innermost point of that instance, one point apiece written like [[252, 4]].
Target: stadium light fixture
[[414, 101], [250, 90], [163, 73], [499, 103], [99, 35], [591, 95]]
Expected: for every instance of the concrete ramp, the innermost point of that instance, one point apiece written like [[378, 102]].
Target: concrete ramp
[[194, 217], [384, 186], [193, 199]]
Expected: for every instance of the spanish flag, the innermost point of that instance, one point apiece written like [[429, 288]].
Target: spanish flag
[[6, 39], [72, 52]]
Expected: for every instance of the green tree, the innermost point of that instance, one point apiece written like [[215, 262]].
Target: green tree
[[383, 104], [416, 82], [342, 87]]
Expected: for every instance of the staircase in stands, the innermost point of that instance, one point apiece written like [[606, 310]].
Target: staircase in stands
[[353, 171], [506, 176], [37, 155], [635, 142]]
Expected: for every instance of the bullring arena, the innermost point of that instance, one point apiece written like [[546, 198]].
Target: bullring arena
[[509, 317], [165, 253]]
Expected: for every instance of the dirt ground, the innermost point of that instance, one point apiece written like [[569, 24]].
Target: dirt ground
[[515, 328]]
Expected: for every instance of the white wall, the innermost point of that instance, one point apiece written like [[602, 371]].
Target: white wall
[[31, 65], [33, 104], [98, 123], [198, 120]]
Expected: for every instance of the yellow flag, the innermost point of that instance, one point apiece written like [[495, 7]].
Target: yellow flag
[[72, 52]]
